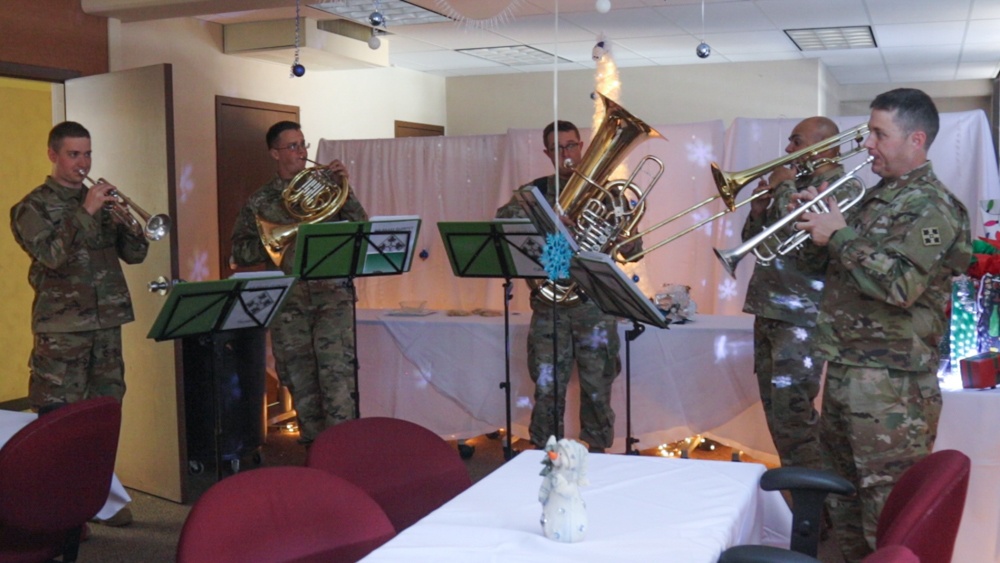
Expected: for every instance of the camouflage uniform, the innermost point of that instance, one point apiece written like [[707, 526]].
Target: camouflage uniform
[[582, 331], [81, 298], [783, 298], [313, 336], [881, 318]]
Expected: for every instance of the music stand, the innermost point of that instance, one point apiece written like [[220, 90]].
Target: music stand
[[201, 313], [616, 294], [541, 214], [503, 248], [382, 246]]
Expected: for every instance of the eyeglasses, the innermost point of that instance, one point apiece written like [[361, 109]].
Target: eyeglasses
[[294, 147], [567, 147]]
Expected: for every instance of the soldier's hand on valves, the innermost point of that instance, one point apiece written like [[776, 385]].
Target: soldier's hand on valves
[[338, 169], [822, 225], [99, 195], [799, 199]]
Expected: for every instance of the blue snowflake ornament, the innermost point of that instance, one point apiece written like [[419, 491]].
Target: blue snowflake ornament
[[555, 257]]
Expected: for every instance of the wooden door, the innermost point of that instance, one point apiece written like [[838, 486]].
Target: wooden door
[[243, 162], [130, 117]]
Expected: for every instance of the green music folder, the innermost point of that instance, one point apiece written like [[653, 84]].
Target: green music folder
[[507, 248], [382, 246]]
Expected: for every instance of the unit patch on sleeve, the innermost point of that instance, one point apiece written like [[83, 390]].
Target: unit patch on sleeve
[[931, 236]]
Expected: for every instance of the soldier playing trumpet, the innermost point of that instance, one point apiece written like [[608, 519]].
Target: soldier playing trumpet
[[783, 299], [313, 337]]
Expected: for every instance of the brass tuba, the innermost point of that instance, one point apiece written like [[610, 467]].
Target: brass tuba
[[312, 196], [602, 211]]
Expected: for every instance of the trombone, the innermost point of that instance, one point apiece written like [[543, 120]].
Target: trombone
[[766, 253], [153, 228], [729, 184]]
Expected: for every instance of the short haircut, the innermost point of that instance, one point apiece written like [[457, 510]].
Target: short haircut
[[277, 129], [563, 126], [915, 111], [64, 130]]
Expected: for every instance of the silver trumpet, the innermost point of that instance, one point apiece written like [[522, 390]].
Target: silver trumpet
[[766, 251], [152, 227]]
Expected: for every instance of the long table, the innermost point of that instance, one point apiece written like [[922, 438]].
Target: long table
[[638, 508], [445, 372]]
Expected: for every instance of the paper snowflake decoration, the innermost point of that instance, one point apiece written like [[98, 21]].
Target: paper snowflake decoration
[[555, 257]]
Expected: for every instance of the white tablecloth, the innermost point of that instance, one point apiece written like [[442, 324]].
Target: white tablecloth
[[969, 423], [445, 373], [639, 509], [11, 422]]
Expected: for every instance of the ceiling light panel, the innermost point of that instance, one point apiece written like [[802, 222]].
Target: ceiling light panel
[[826, 38], [512, 55], [396, 12]]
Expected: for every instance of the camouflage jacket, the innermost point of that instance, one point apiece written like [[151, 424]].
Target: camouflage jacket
[[75, 270], [512, 209], [248, 250], [779, 290], [889, 275]]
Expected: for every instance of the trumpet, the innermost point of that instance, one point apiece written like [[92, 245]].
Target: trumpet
[[122, 209], [766, 253], [729, 184]]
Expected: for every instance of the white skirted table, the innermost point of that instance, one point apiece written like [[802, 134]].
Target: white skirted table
[[639, 509], [969, 422], [445, 372], [12, 421]]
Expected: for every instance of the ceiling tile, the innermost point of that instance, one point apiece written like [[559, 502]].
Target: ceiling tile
[[922, 71], [984, 31], [751, 42], [860, 74], [720, 17], [625, 23], [947, 54], [797, 14], [909, 11], [901, 35]]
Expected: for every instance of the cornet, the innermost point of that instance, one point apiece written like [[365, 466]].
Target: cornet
[[758, 244], [153, 228], [729, 184]]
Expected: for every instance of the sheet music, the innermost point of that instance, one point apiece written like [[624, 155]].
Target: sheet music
[[523, 234], [395, 247], [259, 301]]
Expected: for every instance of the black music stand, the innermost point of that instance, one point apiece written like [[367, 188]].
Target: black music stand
[[503, 248], [616, 294], [223, 324], [382, 246]]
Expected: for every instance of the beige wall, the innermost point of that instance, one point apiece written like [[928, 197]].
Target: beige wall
[[683, 94], [334, 105], [675, 94]]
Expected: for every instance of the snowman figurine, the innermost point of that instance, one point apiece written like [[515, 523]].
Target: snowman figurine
[[564, 514]]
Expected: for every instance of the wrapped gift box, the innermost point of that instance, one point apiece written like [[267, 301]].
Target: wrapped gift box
[[981, 371]]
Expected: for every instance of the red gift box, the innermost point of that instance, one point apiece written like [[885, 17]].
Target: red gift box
[[981, 371]]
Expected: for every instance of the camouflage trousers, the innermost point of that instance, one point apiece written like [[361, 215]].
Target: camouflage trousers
[[69, 366], [313, 345], [876, 423], [589, 336], [788, 379]]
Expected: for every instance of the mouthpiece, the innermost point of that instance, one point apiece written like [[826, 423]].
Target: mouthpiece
[[568, 163]]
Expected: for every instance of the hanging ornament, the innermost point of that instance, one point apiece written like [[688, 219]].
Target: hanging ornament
[[703, 50], [603, 6], [297, 69]]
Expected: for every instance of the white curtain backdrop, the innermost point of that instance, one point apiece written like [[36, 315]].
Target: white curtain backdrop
[[468, 178]]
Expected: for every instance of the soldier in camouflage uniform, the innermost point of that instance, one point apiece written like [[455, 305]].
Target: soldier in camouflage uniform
[[313, 336], [81, 299], [582, 331], [882, 314], [783, 299]]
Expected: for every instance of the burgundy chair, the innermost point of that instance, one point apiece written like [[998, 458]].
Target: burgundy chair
[[282, 515], [55, 474], [406, 468], [922, 513]]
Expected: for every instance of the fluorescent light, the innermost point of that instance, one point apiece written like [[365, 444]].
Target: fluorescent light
[[513, 55], [396, 12], [826, 38]]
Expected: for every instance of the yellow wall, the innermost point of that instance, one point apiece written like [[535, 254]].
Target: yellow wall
[[27, 118]]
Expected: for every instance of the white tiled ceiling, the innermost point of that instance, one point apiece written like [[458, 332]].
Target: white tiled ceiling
[[918, 40]]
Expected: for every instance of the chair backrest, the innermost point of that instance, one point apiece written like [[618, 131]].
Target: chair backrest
[[405, 467], [282, 514], [924, 509], [55, 474]]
